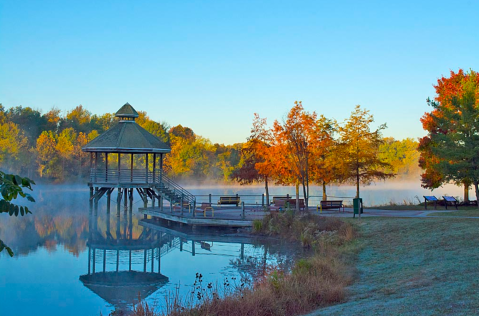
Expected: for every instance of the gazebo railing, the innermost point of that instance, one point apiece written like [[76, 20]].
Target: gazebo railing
[[140, 177], [135, 176]]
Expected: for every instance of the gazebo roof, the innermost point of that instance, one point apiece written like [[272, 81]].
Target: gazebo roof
[[127, 137], [127, 111], [123, 288]]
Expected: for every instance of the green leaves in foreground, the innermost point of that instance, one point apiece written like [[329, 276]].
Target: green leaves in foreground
[[11, 186]]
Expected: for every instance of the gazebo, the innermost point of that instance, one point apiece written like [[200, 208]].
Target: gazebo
[[123, 143], [117, 266]]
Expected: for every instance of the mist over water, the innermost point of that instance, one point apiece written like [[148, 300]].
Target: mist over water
[[58, 245], [379, 193]]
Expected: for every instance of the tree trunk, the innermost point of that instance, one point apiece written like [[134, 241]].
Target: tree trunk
[[267, 192], [325, 197], [476, 188], [297, 196], [305, 195], [466, 193]]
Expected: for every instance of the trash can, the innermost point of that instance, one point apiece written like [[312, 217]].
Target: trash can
[[358, 205]]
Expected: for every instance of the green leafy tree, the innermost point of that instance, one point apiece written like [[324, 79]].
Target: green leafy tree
[[359, 148], [12, 186], [457, 146]]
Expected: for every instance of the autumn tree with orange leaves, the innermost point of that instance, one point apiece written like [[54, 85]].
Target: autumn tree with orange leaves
[[446, 90], [257, 158], [453, 139], [299, 136]]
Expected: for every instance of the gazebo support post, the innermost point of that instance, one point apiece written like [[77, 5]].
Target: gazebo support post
[[131, 200], [117, 260], [131, 168], [108, 202], [129, 262], [146, 168], [104, 260], [125, 203], [152, 259], [154, 168], [91, 166], [119, 166], [106, 167], [159, 259], [144, 260], [96, 165], [118, 202], [89, 260]]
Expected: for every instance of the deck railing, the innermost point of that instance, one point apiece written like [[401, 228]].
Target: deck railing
[[165, 182], [135, 176], [141, 177]]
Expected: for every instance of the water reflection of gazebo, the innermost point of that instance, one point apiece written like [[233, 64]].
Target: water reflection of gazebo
[[122, 268], [126, 141]]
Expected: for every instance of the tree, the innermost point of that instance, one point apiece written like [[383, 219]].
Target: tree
[[256, 164], [359, 149], [298, 135], [402, 155], [13, 145], [47, 156], [65, 146], [446, 90], [457, 145], [29, 120], [324, 161], [12, 186], [79, 119], [81, 141]]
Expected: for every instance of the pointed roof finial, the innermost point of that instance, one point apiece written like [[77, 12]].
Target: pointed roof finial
[[127, 111]]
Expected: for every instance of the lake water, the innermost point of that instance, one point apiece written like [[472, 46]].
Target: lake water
[[66, 258], [380, 193], [62, 249]]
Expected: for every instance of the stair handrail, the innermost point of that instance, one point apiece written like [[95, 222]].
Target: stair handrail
[[166, 181]]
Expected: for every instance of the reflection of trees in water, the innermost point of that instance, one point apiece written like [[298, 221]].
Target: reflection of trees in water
[[27, 234], [268, 255], [59, 218]]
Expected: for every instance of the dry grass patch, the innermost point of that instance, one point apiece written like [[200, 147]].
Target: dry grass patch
[[315, 281]]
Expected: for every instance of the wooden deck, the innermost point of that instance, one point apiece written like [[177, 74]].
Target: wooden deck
[[223, 216]]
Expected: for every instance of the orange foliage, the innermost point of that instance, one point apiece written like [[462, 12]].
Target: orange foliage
[[446, 90]]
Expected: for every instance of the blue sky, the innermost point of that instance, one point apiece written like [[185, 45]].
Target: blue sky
[[210, 65]]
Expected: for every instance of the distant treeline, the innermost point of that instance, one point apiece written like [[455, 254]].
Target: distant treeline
[[48, 146]]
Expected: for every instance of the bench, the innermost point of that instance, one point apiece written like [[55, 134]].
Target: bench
[[331, 204], [450, 199], [205, 207], [276, 198], [430, 198], [291, 203], [279, 205], [229, 200]]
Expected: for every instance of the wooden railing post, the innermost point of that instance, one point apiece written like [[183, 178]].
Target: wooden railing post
[[146, 164], [119, 164]]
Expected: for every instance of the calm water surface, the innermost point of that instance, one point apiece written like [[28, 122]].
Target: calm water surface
[[51, 272], [62, 250]]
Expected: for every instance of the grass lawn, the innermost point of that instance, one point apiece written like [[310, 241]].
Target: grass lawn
[[467, 211], [415, 266], [399, 207]]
